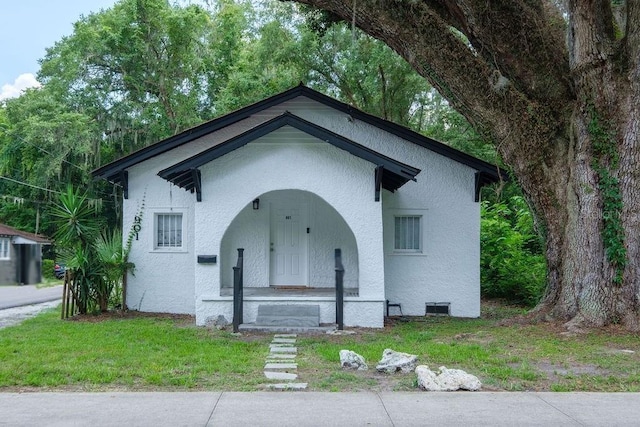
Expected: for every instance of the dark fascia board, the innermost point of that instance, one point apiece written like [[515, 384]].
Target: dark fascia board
[[111, 170], [494, 172], [398, 173]]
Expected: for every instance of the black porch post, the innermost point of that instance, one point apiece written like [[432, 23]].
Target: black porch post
[[238, 292], [339, 290]]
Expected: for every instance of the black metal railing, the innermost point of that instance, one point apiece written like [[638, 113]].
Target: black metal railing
[[339, 290], [238, 291]]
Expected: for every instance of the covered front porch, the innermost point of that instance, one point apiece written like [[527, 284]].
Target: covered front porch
[[288, 239], [289, 221]]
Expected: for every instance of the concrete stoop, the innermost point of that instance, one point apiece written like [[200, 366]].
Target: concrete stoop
[[288, 319], [252, 327], [288, 315], [280, 364]]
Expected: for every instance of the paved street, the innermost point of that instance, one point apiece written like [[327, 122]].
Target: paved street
[[17, 296], [21, 302], [319, 409]]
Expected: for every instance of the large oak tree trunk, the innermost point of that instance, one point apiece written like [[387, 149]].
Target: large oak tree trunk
[[558, 92]]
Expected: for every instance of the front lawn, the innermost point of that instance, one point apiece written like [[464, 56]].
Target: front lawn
[[160, 352], [136, 352]]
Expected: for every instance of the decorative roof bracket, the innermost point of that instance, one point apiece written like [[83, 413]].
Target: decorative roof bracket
[[124, 181], [197, 183], [378, 180]]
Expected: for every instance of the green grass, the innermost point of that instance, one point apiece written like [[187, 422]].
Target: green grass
[[131, 353], [146, 352], [512, 358], [49, 283]]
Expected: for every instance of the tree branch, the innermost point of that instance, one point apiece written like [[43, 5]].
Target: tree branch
[[473, 87], [524, 41]]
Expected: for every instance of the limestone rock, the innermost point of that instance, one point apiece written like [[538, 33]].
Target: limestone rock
[[219, 322], [446, 379], [427, 379], [394, 361], [352, 360]]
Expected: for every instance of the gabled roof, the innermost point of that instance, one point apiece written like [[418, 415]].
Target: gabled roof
[[6, 231], [395, 173], [114, 170]]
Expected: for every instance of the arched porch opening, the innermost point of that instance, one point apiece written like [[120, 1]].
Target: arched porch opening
[[289, 238]]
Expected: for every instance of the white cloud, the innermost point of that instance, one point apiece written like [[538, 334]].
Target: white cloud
[[24, 81]]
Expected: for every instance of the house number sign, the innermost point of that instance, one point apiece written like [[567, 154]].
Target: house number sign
[[137, 221]]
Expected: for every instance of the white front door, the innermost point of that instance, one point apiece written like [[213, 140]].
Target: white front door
[[288, 244]]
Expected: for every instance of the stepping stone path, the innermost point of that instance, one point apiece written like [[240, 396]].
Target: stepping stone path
[[281, 363]]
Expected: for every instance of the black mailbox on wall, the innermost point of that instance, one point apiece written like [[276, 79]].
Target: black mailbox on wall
[[207, 259]]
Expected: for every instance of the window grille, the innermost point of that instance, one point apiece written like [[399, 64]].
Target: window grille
[[407, 233], [169, 230]]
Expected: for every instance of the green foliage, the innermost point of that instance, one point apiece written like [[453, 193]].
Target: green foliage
[[441, 122], [605, 162], [512, 265], [75, 221], [47, 269], [96, 259], [364, 72], [271, 63], [45, 142], [139, 67], [110, 255]]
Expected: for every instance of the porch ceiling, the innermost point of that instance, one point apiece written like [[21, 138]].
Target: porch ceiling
[[395, 175]]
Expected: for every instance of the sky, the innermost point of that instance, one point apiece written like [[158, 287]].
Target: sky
[[27, 28]]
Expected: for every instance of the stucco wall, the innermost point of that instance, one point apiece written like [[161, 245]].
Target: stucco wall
[[447, 269], [163, 279], [343, 181]]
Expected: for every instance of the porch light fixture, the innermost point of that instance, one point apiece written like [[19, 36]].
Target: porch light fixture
[[256, 204]]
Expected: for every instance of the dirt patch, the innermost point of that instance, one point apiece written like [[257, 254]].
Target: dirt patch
[[555, 370], [121, 315]]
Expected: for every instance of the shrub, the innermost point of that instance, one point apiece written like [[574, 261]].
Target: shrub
[[512, 263], [47, 269], [95, 258]]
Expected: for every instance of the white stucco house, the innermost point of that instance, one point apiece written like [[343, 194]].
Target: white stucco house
[[290, 179]]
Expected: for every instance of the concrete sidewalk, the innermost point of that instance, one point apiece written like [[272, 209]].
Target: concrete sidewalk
[[319, 409], [18, 296]]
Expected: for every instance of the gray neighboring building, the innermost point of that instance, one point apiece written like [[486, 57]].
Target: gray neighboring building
[[20, 256]]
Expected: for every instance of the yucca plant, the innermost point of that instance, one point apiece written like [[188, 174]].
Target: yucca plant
[[96, 260], [75, 221]]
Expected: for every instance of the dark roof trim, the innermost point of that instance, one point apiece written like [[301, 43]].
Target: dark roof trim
[[111, 170], [396, 173], [490, 170]]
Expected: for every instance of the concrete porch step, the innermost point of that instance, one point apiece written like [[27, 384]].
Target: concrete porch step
[[252, 327], [299, 316]]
